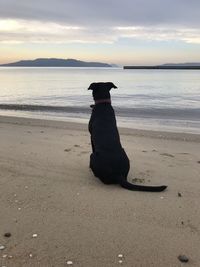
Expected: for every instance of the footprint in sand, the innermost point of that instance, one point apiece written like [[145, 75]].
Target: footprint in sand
[[138, 180], [67, 149], [84, 152], [167, 155], [171, 166], [76, 145]]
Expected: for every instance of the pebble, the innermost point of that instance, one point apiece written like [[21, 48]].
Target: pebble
[[5, 256], [183, 258], [179, 194], [31, 255], [162, 197], [69, 262], [34, 235], [120, 261], [19, 208], [2, 247], [120, 256], [7, 234]]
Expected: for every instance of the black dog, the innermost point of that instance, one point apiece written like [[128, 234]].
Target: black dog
[[108, 160]]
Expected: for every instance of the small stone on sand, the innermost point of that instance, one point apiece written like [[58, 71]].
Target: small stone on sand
[[34, 235], [69, 262], [7, 234], [2, 247], [183, 258], [179, 194]]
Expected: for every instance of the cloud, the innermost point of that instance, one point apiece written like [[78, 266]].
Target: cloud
[[187, 35], [105, 13], [31, 31], [23, 31], [95, 21]]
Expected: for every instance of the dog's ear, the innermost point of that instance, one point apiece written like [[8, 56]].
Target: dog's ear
[[92, 86], [111, 85]]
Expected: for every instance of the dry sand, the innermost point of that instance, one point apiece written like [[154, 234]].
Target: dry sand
[[47, 189]]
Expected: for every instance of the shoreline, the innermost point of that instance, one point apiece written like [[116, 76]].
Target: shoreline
[[188, 125], [191, 137], [57, 211]]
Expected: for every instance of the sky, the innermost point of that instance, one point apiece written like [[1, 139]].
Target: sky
[[123, 32]]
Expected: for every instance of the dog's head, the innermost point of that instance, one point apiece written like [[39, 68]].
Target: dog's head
[[101, 90]]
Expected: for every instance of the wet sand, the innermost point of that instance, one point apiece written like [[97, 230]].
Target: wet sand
[[58, 213]]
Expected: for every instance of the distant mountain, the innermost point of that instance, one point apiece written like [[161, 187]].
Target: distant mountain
[[178, 66], [55, 62], [187, 64]]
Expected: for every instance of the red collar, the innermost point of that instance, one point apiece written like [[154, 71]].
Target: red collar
[[99, 101]]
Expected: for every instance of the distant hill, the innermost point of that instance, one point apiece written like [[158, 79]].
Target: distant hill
[[192, 64], [55, 62], [180, 66]]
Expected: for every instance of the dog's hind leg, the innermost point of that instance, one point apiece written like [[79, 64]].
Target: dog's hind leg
[[101, 170]]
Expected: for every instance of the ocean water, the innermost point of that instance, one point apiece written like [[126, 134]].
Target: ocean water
[[166, 100]]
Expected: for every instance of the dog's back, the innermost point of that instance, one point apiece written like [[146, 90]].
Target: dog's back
[[103, 129]]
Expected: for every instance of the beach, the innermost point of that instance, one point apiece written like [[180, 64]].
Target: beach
[[59, 214]]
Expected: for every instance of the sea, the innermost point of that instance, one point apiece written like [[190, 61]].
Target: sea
[[163, 100]]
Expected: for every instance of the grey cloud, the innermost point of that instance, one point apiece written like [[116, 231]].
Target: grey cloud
[[104, 13]]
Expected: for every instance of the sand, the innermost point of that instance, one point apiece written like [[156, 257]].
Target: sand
[[59, 214]]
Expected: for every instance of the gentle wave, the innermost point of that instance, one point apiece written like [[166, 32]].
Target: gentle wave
[[25, 107], [192, 114]]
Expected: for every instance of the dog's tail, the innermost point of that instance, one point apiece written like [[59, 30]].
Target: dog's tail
[[125, 184]]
